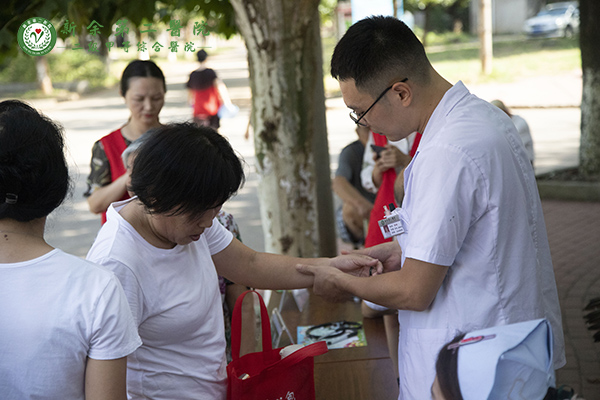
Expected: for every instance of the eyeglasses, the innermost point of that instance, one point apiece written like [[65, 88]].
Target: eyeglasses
[[356, 118]]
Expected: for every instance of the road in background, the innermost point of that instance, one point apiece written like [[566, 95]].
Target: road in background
[[72, 227]]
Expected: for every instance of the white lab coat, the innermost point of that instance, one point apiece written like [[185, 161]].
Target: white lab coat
[[471, 203]]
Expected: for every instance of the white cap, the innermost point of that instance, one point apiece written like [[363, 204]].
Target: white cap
[[507, 362]]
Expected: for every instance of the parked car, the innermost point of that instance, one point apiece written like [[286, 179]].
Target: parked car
[[554, 20]]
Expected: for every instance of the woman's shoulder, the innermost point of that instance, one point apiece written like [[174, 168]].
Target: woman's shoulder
[[119, 243], [116, 132], [78, 268], [98, 144]]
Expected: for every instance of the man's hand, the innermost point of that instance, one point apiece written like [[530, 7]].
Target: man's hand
[[389, 254], [326, 282], [357, 264]]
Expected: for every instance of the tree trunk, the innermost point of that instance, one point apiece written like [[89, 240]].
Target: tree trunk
[[485, 36], [589, 150], [43, 77], [426, 24], [288, 116]]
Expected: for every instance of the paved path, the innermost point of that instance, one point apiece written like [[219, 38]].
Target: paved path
[[573, 228], [574, 235]]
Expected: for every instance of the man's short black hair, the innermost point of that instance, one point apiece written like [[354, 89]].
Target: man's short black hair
[[183, 169], [377, 51], [34, 175]]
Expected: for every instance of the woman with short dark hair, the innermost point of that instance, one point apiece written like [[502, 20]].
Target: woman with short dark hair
[[143, 88], [65, 326], [167, 248]]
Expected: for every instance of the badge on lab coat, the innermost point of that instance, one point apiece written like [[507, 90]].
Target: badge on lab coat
[[391, 226]]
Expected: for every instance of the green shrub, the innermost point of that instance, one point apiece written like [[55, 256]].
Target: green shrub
[[68, 66], [76, 65], [18, 69]]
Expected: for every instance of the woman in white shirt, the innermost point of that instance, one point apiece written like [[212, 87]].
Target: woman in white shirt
[[65, 327], [167, 248]]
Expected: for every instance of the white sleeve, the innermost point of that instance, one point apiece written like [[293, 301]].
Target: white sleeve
[[114, 332], [443, 205], [374, 306], [366, 173], [130, 285], [217, 237]]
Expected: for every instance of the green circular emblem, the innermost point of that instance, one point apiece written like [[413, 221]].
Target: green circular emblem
[[37, 36]]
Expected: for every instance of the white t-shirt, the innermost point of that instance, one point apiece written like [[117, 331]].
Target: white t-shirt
[[525, 134], [471, 203], [55, 311], [175, 299]]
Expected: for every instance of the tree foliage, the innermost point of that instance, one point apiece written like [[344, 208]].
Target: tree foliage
[[219, 15], [451, 10]]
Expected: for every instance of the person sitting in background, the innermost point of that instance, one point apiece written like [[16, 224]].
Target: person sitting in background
[[522, 128], [356, 201], [503, 362], [66, 328], [206, 94], [379, 172], [143, 87]]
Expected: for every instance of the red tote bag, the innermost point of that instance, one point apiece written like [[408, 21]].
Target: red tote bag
[[267, 375]]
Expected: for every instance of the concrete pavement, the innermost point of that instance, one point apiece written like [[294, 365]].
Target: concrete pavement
[[573, 228], [574, 236]]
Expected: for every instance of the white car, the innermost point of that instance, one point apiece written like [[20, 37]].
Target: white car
[[554, 20]]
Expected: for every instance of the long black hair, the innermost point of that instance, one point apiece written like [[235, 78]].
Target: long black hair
[[141, 69]]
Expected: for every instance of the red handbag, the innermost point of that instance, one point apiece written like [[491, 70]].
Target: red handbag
[[265, 375]]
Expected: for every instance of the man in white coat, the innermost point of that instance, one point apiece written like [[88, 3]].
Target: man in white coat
[[471, 250]]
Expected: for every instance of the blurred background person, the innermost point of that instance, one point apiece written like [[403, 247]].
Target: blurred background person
[[352, 215], [143, 87], [382, 162], [206, 93], [522, 128]]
